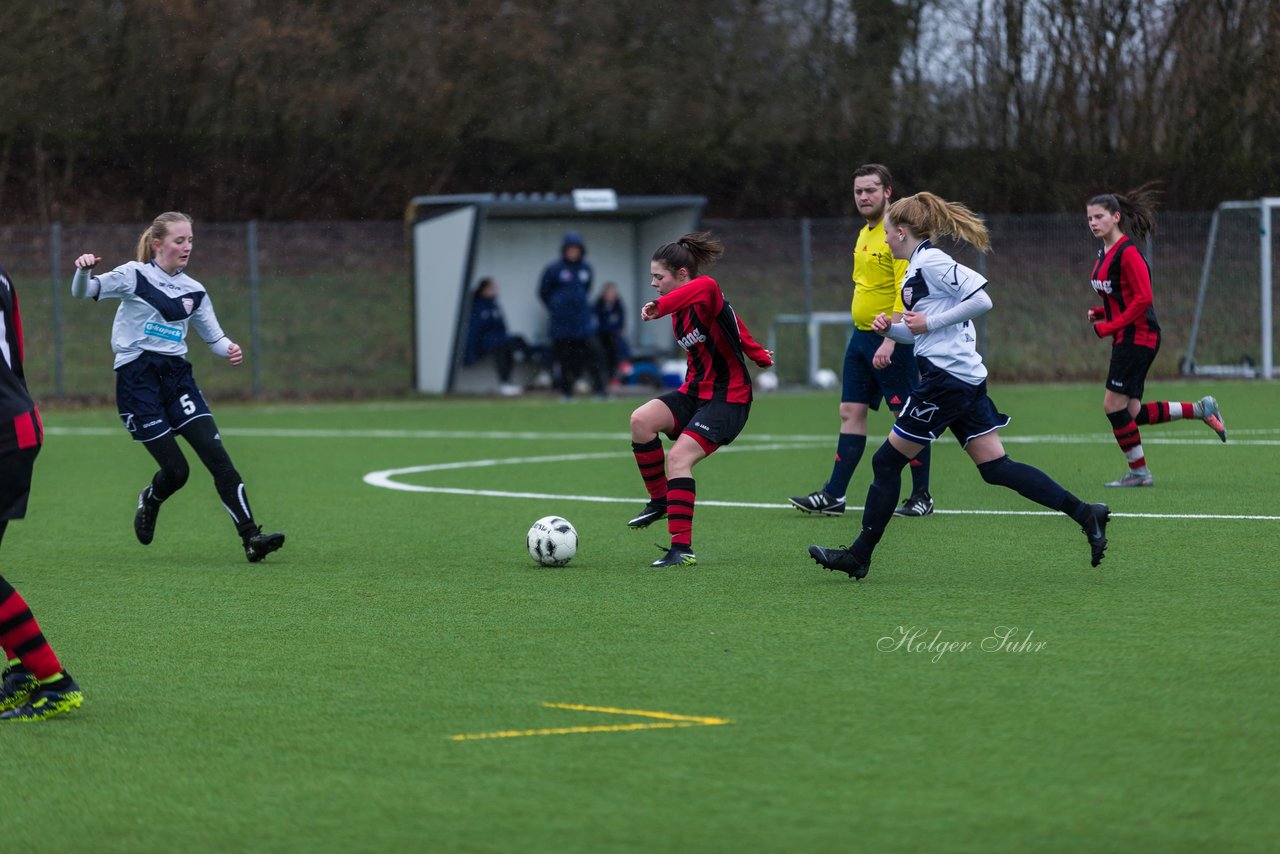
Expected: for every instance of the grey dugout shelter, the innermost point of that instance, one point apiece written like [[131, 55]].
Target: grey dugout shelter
[[458, 240]]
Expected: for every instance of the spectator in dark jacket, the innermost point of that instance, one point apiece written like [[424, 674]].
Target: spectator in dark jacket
[[611, 321], [487, 334], [565, 286]]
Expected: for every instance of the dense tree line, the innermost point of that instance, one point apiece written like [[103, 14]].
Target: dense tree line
[[291, 109]]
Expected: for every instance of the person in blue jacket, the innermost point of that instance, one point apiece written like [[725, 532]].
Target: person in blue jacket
[[487, 334], [564, 290]]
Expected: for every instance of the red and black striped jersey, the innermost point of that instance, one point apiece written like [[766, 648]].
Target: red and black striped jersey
[[19, 419], [1122, 278], [715, 341]]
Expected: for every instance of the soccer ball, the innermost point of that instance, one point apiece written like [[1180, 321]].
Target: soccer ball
[[552, 541], [826, 378], [767, 381]]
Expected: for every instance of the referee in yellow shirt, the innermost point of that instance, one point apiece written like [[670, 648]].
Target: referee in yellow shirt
[[875, 367]]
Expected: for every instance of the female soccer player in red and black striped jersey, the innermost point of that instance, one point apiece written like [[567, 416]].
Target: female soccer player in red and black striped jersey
[[1122, 278], [34, 686], [711, 407]]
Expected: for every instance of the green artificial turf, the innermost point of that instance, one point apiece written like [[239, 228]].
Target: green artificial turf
[[308, 702]]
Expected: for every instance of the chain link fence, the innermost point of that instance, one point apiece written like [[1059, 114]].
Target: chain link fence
[[324, 309]]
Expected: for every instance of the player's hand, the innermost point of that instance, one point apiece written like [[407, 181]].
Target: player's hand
[[916, 322], [649, 311], [769, 363], [1096, 314], [883, 355], [234, 354], [86, 261], [881, 324]]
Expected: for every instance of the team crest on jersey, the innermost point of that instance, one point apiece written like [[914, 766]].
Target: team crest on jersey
[[906, 295], [189, 304]]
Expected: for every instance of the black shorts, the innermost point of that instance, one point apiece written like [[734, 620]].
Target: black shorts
[[15, 481], [864, 383], [942, 401], [156, 394], [1129, 365], [717, 421]]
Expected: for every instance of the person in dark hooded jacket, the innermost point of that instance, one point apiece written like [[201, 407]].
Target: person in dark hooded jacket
[[564, 290], [487, 334]]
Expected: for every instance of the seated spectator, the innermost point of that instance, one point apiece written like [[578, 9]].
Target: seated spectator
[[611, 321], [487, 334]]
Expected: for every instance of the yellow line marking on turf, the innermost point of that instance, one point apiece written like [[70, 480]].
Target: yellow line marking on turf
[[669, 720]]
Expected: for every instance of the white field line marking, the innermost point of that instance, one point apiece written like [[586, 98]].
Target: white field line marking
[[300, 433], [386, 479]]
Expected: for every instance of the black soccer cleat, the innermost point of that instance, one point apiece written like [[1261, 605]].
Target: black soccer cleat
[[1095, 529], [17, 683], [258, 546], [53, 698], [818, 503], [675, 556], [144, 521], [841, 560], [920, 504], [653, 511]]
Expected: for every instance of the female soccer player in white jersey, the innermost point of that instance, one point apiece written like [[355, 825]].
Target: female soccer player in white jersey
[[941, 298], [156, 392]]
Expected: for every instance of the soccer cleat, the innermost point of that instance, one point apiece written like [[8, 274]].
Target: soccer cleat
[[652, 512], [16, 687], [259, 545], [144, 521], [842, 560], [1213, 416], [675, 556], [819, 503], [920, 504], [54, 698], [1134, 478], [1095, 529]]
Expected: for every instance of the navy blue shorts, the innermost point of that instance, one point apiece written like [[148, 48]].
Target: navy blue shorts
[[15, 481], [1128, 371], [717, 421], [863, 383], [157, 394], [941, 401]]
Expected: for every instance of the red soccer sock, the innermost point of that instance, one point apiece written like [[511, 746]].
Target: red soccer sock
[[680, 497], [1125, 429], [20, 633], [653, 467]]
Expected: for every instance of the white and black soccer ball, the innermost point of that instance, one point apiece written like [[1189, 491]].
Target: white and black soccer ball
[[553, 541]]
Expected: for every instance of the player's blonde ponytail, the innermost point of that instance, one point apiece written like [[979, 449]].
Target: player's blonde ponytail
[[929, 215]]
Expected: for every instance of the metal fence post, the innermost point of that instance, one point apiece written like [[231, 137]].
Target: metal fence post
[[255, 327], [806, 250], [55, 252]]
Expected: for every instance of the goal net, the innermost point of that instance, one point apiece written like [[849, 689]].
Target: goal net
[[1233, 326]]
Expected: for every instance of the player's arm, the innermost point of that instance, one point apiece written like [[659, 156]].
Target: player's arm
[[752, 349], [1138, 298], [84, 285], [976, 304], [702, 289], [206, 324]]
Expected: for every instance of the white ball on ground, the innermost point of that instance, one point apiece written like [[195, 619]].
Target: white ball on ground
[[767, 381], [552, 541], [826, 378]]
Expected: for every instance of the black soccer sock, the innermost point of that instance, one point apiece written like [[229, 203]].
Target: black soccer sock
[[1027, 481], [849, 448], [920, 471], [886, 465], [207, 442], [174, 470]]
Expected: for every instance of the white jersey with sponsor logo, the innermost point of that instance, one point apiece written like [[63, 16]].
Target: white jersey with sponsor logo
[[935, 282], [156, 310]]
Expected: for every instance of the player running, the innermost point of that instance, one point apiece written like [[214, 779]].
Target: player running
[[33, 686], [1122, 278], [710, 409], [941, 298], [156, 391]]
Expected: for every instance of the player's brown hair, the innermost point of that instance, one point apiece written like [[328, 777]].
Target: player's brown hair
[[693, 252]]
